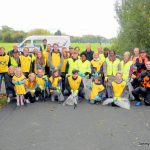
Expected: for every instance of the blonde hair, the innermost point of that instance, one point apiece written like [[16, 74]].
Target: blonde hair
[[95, 54], [18, 69]]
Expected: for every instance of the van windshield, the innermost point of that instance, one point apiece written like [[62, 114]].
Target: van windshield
[[37, 43]]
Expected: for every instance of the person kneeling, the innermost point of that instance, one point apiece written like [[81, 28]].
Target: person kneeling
[[32, 88], [74, 83], [119, 92], [55, 86], [96, 91]]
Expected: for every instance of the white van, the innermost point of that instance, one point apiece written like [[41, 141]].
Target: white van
[[36, 41]]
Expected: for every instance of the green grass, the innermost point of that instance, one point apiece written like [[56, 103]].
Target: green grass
[[3, 101], [8, 46], [94, 46]]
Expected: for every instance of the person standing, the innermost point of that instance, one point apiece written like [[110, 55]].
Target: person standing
[[43, 46], [89, 52], [111, 66], [26, 62], [4, 62], [55, 59]]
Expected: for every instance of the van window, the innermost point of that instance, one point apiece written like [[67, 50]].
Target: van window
[[37, 43], [27, 43]]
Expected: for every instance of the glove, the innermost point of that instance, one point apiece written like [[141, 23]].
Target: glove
[[96, 74], [32, 91], [106, 79], [76, 91], [58, 88], [81, 74], [44, 78], [133, 76], [97, 98], [117, 98]]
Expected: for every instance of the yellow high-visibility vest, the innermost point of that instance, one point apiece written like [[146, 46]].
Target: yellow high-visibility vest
[[4, 60], [13, 62], [112, 67], [25, 63], [83, 67], [118, 88], [74, 84], [72, 65], [96, 89], [125, 69]]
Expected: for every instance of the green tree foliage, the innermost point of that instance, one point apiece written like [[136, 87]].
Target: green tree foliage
[[58, 32], [8, 34], [38, 32], [134, 19]]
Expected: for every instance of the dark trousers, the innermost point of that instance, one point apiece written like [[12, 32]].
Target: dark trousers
[[29, 96], [11, 92], [139, 91], [63, 76], [47, 71]]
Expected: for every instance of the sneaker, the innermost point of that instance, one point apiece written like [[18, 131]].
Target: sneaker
[[18, 104], [37, 98], [8, 100], [27, 101], [138, 103]]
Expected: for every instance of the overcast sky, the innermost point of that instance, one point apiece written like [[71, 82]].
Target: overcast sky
[[73, 17]]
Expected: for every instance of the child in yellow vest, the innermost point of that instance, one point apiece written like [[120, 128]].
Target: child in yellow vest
[[32, 88], [120, 93], [55, 86], [96, 65], [19, 79], [96, 91], [42, 81]]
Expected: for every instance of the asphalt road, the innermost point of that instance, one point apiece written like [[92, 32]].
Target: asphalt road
[[51, 126]]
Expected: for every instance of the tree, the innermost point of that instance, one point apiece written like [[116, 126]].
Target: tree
[[58, 32], [134, 20], [38, 32]]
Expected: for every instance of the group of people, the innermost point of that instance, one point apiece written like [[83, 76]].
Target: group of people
[[99, 77]]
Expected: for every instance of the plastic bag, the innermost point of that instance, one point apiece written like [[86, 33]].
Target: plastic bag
[[86, 83], [122, 102], [71, 100], [108, 101]]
